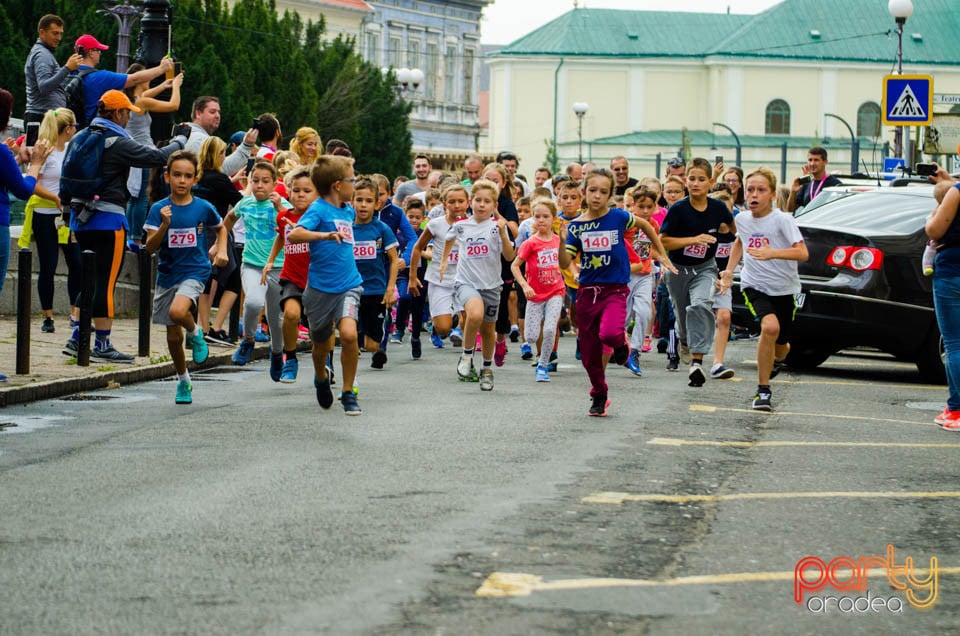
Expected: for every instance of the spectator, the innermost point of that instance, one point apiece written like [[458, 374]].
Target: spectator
[[473, 166], [306, 144], [622, 181], [421, 170], [12, 181], [803, 193], [333, 144], [43, 75], [100, 224], [206, 120], [541, 178], [677, 167], [574, 171], [97, 82], [509, 161]]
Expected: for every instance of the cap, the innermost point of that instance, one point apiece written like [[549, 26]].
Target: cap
[[117, 100], [237, 138], [89, 42]]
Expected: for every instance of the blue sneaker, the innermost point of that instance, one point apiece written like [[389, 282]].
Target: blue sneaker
[[184, 392], [456, 337], [261, 335], [200, 349], [436, 340], [542, 375], [276, 366], [633, 363], [526, 351], [350, 405], [242, 355], [288, 374], [3, 378]]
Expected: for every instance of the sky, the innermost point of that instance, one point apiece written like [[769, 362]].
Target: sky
[[506, 20]]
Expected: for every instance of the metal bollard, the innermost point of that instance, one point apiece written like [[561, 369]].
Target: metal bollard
[[88, 281], [145, 262], [234, 323], [24, 296]]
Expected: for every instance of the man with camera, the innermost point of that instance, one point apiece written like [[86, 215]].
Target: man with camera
[[815, 178], [206, 120], [43, 75]]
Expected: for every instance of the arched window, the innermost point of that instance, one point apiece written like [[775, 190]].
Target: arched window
[[868, 120], [778, 118]]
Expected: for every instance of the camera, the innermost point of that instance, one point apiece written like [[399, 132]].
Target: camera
[[181, 129], [33, 132], [718, 159], [805, 179]]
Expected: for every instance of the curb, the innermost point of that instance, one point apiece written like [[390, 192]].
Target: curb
[[51, 389]]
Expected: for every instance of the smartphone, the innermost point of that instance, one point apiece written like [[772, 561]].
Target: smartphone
[[922, 169], [177, 68], [805, 179], [33, 131], [250, 162], [718, 159]]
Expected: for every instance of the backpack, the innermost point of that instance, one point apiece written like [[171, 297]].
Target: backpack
[[81, 175], [73, 87]]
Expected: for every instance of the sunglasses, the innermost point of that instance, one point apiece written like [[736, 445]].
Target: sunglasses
[[675, 163]]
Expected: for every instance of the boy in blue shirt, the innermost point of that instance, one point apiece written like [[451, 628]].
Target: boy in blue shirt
[[175, 227], [332, 296]]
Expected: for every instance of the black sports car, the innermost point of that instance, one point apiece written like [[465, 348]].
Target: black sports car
[[863, 285]]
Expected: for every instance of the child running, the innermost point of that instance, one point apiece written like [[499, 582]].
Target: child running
[[296, 265], [769, 279], [481, 242], [543, 286], [598, 234], [175, 227], [642, 202], [332, 297]]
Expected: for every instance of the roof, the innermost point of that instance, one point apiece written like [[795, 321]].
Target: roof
[[358, 5], [807, 30], [708, 138]]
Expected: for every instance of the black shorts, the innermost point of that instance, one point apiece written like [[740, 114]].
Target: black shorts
[[372, 312], [783, 307], [290, 290]]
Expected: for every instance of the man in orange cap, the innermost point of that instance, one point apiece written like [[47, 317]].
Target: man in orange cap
[[97, 82]]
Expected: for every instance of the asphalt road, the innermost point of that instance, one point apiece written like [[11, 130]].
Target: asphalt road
[[444, 510]]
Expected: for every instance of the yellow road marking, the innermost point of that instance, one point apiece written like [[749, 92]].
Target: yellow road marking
[[506, 584], [703, 408], [617, 498], [850, 363], [890, 385], [671, 441]]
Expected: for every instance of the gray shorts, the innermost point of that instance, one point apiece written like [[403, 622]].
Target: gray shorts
[[463, 292], [163, 299], [722, 301], [324, 311]]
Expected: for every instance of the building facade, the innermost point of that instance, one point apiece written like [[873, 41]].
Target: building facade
[[662, 83]]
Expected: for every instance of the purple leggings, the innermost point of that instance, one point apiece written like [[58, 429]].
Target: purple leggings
[[601, 314]]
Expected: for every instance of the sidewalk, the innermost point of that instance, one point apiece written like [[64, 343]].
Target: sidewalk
[[53, 374]]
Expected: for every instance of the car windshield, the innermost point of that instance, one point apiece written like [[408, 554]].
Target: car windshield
[[871, 211], [824, 197]]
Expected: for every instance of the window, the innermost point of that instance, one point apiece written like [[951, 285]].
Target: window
[[778, 118], [868, 120], [373, 49], [394, 53], [430, 72], [450, 74], [413, 53], [468, 76]]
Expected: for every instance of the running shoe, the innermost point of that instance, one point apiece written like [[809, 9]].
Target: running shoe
[[777, 368], [3, 377], [720, 372], [47, 326], [696, 375], [761, 401], [324, 394], [552, 367], [946, 416], [109, 354], [218, 337], [436, 340], [276, 366], [486, 379], [598, 407], [71, 348], [242, 355], [456, 337], [465, 369], [673, 364], [633, 363], [500, 353], [576, 353], [396, 338], [621, 354], [289, 370], [184, 392], [350, 405], [647, 344], [526, 351], [200, 350], [514, 334], [542, 375], [415, 350], [662, 345], [379, 359], [303, 333], [261, 335]]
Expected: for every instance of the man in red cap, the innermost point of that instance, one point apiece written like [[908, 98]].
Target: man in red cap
[[97, 82]]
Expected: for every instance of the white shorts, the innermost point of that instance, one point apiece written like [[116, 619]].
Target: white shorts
[[442, 300]]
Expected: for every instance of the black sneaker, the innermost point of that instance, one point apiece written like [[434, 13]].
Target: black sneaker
[[514, 334], [761, 401], [621, 354], [350, 405], [777, 368], [696, 375], [415, 349], [218, 338], [661, 346], [47, 326], [110, 355], [379, 359], [598, 407], [324, 394], [71, 348], [673, 364]]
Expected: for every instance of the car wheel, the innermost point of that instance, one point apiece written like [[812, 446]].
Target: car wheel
[[807, 358], [932, 360]]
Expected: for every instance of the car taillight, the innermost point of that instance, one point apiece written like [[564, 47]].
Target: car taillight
[[856, 258]]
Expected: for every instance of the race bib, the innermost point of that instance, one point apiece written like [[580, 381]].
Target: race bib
[[695, 251], [599, 241], [723, 250], [548, 257], [184, 237], [476, 250], [345, 228], [453, 257], [757, 241], [365, 250]]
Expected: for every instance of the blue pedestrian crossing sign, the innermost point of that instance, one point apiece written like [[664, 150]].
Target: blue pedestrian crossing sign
[[907, 100]]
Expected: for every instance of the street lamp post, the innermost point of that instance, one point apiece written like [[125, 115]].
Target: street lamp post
[[854, 143], [735, 138], [126, 14], [900, 10], [580, 109]]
